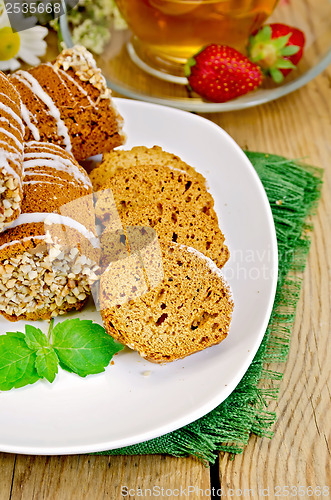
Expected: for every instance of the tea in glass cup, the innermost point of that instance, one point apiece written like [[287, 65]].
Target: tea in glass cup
[[167, 32]]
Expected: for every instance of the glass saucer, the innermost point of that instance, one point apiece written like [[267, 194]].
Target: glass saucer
[[125, 78]]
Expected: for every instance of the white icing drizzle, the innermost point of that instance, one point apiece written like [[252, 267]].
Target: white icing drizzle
[[10, 170], [48, 219], [29, 81], [48, 148], [18, 143], [4, 157], [55, 162], [26, 117], [13, 125], [26, 238], [9, 98], [60, 73], [81, 89], [10, 112], [7, 146], [3, 119]]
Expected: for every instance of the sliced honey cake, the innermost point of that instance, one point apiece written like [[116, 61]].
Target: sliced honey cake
[[140, 155], [49, 255], [11, 152], [171, 201], [67, 102], [139, 186], [184, 226], [190, 310]]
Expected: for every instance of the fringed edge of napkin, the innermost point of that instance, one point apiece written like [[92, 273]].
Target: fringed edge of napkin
[[293, 190]]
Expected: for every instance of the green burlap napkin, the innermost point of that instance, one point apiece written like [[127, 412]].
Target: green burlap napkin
[[293, 190]]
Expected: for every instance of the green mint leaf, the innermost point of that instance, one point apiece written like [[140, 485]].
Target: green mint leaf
[[47, 363], [17, 362], [83, 346], [35, 338], [65, 367], [17, 335]]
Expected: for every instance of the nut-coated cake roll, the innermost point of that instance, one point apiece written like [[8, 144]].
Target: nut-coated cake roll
[[49, 255], [67, 102], [11, 152]]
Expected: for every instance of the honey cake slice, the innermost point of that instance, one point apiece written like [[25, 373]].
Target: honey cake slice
[[11, 152], [190, 310], [161, 185], [140, 155], [67, 102]]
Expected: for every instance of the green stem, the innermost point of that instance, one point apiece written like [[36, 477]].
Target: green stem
[[50, 329]]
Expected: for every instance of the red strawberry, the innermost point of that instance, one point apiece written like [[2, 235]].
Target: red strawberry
[[220, 73], [277, 48]]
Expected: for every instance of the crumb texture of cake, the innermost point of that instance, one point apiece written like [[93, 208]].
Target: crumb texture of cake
[[138, 186], [190, 310], [171, 201], [11, 152], [140, 155], [183, 225], [131, 264], [49, 254], [67, 103]]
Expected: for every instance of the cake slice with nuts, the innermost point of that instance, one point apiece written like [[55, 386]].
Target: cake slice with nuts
[[49, 255], [11, 152]]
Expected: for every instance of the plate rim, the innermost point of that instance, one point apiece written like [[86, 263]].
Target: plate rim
[[216, 400], [240, 103]]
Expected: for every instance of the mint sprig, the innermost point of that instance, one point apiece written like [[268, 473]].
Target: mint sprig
[[80, 351], [78, 346]]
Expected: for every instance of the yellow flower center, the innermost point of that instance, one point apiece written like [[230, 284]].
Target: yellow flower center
[[9, 43]]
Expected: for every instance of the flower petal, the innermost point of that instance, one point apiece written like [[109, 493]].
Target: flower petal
[[11, 65], [28, 57]]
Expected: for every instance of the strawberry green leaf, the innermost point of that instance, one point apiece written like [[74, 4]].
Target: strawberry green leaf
[[35, 338], [17, 362], [189, 64], [47, 363], [290, 50], [83, 346], [276, 75], [281, 41], [285, 64], [263, 35]]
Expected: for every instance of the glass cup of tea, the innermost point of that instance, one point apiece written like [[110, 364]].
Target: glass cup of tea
[[168, 32]]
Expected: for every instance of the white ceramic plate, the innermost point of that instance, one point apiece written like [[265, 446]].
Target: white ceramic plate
[[126, 405]]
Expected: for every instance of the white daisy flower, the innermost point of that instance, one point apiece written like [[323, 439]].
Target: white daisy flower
[[26, 46]]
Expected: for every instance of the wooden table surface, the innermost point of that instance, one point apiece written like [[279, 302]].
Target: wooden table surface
[[297, 126]]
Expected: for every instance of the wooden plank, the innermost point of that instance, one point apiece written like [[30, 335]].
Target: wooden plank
[[7, 466], [299, 453], [102, 477]]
